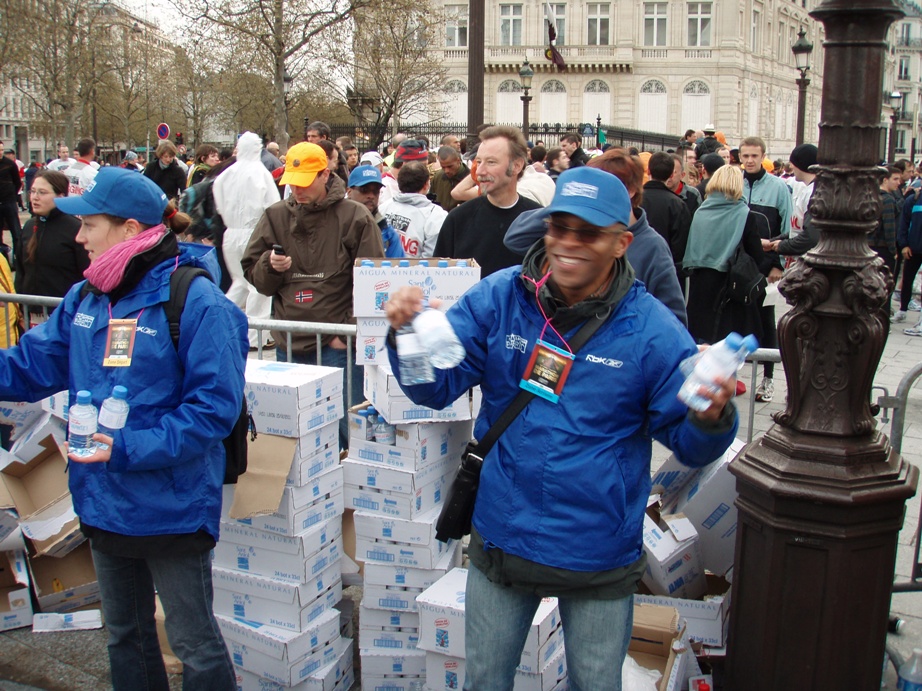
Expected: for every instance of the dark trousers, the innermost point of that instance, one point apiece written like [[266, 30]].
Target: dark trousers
[[769, 337], [910, 269]]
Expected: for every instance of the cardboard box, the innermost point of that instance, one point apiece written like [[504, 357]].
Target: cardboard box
[[659, 642], [409, 577], [304, 470], [391, 597], [373, 285], [390, 639], [361, 474], [402, 554], [278, 556], [281, 645], [9, 521], [441, 615], [547, 679], [444, 673], [15, 601], [393, 682], [706, 619], [288, 387], [323, 509], [673, 565], [30, 442], [383, 391], [19, 414], [57, 404], [381, 663], [294, 499], [372, 326], [337, 676], [370, 350], [296, 424], [286, 672], [373, 618], [278, 603], [398, 504], [707, 497], [40, 494], [63, 584]]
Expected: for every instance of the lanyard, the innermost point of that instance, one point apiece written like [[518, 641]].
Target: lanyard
[[547, 322]]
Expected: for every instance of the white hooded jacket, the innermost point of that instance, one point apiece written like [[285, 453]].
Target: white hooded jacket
[[417, 220], [246, 189]]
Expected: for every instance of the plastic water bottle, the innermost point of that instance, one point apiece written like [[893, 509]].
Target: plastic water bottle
[[438, 338], [81, 425], [385, 433], [369, 419], [415, 364], [721, 360], [114, 411], [910, 673]]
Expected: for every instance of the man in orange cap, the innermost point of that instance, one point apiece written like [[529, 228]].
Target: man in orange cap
[[302, 252]]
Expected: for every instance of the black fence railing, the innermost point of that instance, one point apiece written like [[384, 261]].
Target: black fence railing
[[548, 133]]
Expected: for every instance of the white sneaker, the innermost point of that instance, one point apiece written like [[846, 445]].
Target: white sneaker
[[899, 317], [766, 390], [914, 330], [914, 306]]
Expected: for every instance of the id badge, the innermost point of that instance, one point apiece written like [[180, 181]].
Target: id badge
[[120, 342], [547, 371]]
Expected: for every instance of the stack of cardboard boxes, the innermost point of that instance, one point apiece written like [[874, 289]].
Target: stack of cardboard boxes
[[397, 491], [277, 571]]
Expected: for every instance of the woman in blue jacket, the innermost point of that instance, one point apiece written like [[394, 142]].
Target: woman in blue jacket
[[562, 494], [150, 502]]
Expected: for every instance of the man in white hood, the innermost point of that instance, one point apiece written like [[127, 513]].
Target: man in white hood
[[416, 219], [241, 194]]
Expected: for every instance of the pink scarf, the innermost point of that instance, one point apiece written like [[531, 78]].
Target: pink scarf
[[109, 269]]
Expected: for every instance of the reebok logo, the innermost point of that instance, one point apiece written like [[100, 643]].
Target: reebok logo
[[608, 362]]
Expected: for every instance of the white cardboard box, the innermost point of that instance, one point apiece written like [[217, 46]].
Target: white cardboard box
[[15, 601], [673, 566], [381, 663], [393, 682], [441, 615], [417, 444], [401, 554], [706, 620], [391, 639], [282, 604], [323, 509], [362, 474], [280, 644], [418, 531], [373, 285], [63, 584], [398, 504], [304, 470], [444, 673], [374, 618], [335, 676], [707, 498], [288, 387], [20, 414], [547, 679], [402, 576], [370, 350], [382, 389], [57, 405], [391, 597], [298, 423], [266, 554], [294, 499]]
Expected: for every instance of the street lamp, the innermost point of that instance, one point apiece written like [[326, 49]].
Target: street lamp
[[896, 100], [287, 79], [802, 49], [526, 74]]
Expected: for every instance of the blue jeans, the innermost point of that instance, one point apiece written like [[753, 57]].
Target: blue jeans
[[334, 357], [497, 618], [184, 585]]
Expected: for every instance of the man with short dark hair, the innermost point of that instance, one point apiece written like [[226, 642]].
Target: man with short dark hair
[[477, 227], [453, 171], [63, 161], [83, 171], [556, 161], [666, 212], [452, 141], [317, 131], [416, 219], [573, 145], [351, 153], [709, 165]]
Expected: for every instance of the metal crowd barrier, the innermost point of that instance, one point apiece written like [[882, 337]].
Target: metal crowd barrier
[[32, 303]]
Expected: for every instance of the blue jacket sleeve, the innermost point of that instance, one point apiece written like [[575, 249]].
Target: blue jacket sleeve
[[902, 235], [525, 230], [213, 348]]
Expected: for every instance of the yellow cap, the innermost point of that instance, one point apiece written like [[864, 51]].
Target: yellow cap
[[302, 163]]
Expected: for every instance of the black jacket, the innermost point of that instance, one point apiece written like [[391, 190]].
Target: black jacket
[[10, 182], [59, 259], [668, 213], [579, 158], [708, 145], [172, 180]]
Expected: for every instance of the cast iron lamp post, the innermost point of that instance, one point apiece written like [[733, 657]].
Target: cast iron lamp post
[[802, 50], [822, 494], [896, 101], [526, 74]]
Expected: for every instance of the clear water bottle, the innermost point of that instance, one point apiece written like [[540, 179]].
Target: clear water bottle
[[113, 412], [372, 421], [721, 360], [910, 673], [385, 433], [438, 338], [81, 426], [415, 364]]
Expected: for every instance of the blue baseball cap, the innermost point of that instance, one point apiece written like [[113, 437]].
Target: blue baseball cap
[[118, 192], [593, 195], [365, 175]]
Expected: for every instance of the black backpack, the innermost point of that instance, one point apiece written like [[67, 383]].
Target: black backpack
[[745, 283], [235, 444]]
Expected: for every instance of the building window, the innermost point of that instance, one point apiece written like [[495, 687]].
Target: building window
[[905, 33], [554, 86], [653, 86], [510, 25], [654, 23], [754, 42], [560, 16], [699, 24], [456, 86], [696, 87], [904, 68], [510, 86], [597, 86], [598, 13], [456, 26], [782, 36]]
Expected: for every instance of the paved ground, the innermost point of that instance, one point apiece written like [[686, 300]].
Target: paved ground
[[77, 661]]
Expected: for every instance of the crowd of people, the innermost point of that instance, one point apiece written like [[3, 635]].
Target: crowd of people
[[637, 245]]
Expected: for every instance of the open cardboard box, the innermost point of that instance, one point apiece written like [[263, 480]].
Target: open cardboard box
[[40, 494], [15, 602], [658, 641], [64, 584], [706, 619]]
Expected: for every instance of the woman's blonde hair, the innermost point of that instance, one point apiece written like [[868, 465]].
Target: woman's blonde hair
[[727, 180], [165, 147]]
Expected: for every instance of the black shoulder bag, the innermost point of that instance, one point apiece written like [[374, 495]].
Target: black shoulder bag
[[455, 519]]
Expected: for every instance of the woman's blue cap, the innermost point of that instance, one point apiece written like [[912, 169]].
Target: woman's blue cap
[[118, 192]]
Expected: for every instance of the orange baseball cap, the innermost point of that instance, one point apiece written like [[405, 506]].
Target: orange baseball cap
[[302, 163]]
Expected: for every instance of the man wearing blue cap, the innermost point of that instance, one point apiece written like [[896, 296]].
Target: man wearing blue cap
[[365, 185], [560, 506]]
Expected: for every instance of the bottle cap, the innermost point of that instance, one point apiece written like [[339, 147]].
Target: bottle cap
[[84, 397], [120, 392], [424, 262], [404, 262], [461, 262], [751, 343], [385, 263], [443, 263], [734, 341]]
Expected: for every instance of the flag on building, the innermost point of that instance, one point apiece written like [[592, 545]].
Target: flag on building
[[551, 53]]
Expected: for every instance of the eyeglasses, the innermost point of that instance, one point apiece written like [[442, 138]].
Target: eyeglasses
[[35, 192], [587, 236]]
